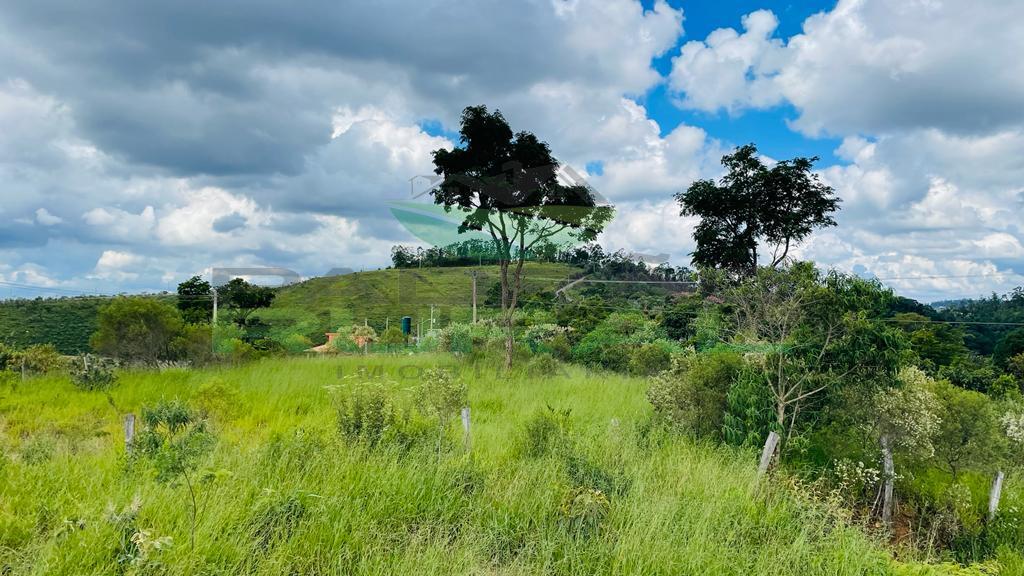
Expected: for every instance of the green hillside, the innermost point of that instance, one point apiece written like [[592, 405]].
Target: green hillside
[[311, 307], [66, 323], [377, 297]]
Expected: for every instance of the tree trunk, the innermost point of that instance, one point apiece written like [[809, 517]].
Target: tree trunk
[[506, 312], [887, 479]]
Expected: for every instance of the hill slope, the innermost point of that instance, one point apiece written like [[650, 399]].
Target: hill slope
[[384, 296], [66, 323]]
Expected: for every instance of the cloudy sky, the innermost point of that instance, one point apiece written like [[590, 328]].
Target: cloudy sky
[[141, 143]]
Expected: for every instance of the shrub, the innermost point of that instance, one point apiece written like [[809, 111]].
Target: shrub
[[277, 517], [194, 344], [218, 398], [39, 359], [652, 358], [545, 431], [8, 356], [749, 413], [602, 348], [296, 343], [542, 364], [137, 329], [968, 431], [691, 395], [362, 335], [365, 414], [393, 336], [93, 373], [441, 395], [583, 510], [609, 345]]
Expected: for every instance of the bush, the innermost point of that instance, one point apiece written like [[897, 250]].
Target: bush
[[174, 436], [137, 329], [39, 359], [296, 343], [545, 431], [194, 344], [602, 348], [650, 359], [749, 413], [691, 395], [93, 373], [583, 510], [393, 336], [542, 364], [441, 395], [218, 398], [7, 358], [365, 414], [609, 345], [368, 417]]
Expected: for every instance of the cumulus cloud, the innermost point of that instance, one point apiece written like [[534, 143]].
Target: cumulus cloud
[[731, 70]]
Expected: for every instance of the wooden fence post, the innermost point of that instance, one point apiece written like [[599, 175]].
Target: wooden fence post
[[129, 432], [466, 439], [770, 445], [994, 495], [888, 476]]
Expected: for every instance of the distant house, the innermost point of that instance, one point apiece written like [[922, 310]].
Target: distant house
[[328, 347]]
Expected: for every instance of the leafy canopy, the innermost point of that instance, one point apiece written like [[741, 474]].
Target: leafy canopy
[[506, 184], [755, 204]]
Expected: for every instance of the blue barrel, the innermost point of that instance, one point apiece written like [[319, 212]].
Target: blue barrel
[[407, 325]]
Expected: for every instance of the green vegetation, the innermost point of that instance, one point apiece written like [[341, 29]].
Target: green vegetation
[[287, 480], [66, 323], [324, 304]]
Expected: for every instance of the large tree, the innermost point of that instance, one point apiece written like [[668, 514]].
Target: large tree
[[195, 300], [244, 298], [754, 204], [506, 184], [136, 329]]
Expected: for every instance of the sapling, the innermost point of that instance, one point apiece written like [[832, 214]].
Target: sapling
[[174, 439], [442, 395]]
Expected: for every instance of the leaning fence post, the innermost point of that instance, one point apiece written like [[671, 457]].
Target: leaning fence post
[[769, 451], [465, 428], [995, 494], [129, 432], [888, 477]]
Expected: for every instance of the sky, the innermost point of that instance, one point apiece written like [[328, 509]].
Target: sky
[[143, 143]]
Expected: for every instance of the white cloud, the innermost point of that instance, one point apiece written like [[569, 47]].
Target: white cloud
[[731, 70], [117, 266], [44, 218]]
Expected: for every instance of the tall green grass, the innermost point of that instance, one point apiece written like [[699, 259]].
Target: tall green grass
[[288, 496]]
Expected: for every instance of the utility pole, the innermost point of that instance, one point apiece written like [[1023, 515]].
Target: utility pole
[[474, 296], [214, 306]]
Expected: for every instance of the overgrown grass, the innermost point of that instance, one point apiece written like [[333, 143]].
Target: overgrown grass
[[285, 494]]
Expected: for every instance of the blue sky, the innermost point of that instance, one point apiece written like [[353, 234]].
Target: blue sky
[[767, 128], [143, 146]]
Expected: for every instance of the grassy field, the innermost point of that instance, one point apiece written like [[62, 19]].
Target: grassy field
[[288, 495]]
